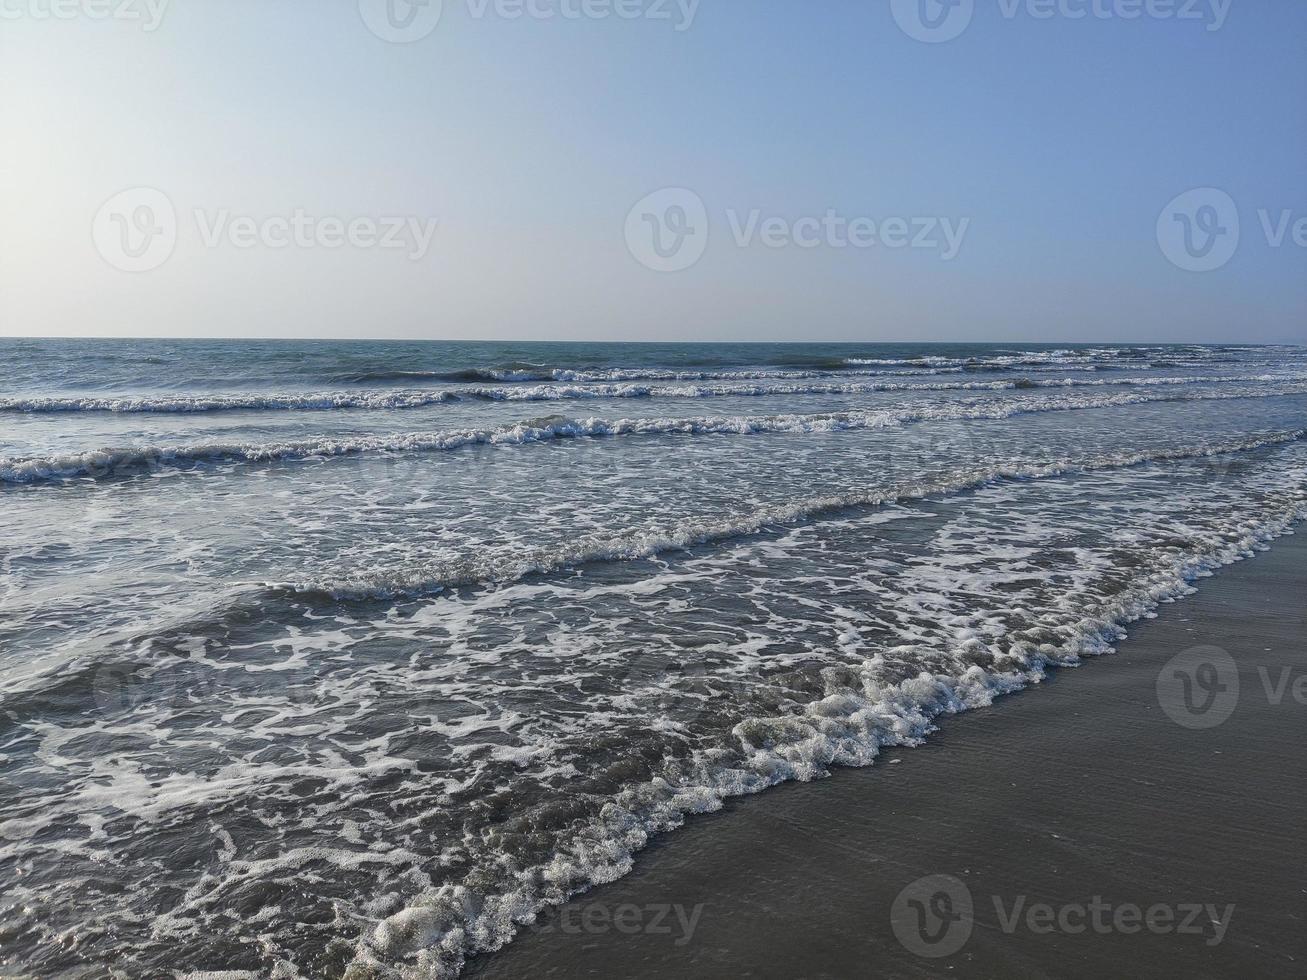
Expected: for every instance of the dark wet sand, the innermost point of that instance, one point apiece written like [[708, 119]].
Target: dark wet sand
[[1079, 788]]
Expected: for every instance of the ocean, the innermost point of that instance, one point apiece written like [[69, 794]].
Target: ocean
[[345, 659]]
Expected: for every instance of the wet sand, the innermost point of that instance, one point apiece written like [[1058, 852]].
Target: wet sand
[[1092, 833]]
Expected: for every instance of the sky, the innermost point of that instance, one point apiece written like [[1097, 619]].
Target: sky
[[745, 170]]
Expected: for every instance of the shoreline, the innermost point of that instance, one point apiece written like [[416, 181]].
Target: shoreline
[[1084, 827]]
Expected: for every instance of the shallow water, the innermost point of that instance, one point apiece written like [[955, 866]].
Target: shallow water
[[330, 659]]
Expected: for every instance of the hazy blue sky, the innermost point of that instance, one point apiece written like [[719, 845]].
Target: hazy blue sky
[[1051, 144]]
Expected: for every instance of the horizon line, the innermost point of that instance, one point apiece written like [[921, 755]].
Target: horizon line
[[649, 343]]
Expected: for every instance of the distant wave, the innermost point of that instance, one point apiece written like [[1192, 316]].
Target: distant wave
[[464, 374], [826, 368], [1107, 358], [102, 463], [1081, 359], [592, 375], [388, 400]]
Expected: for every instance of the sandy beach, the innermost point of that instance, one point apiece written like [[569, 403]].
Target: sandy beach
[[1086, 826]]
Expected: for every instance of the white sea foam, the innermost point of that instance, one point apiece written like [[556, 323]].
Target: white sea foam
[[437, 576], [433, 935]]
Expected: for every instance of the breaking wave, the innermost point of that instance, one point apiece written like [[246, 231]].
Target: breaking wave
[[438, 576], [388, 400], [103, 463]]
